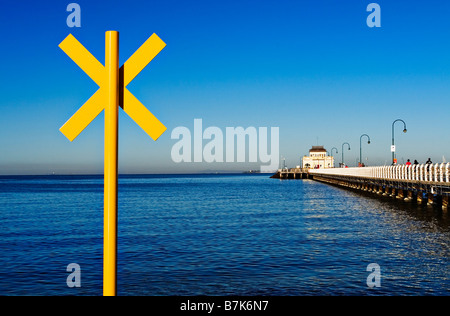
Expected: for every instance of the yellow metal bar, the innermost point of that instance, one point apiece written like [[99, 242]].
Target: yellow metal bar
[[84, 116], [143, 117], [111, 165], [84, 59], [131, 105], [94, 69], [141, 58]]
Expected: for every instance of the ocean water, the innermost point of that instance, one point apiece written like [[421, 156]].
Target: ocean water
[[218, 235]]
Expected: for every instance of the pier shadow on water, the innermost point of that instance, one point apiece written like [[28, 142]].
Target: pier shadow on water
[[416, 211]]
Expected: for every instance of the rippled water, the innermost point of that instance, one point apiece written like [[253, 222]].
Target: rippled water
[[218, 235]]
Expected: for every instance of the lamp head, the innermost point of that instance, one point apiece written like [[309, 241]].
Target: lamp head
[[368, 142], [404, 131]]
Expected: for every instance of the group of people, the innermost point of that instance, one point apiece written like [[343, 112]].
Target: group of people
[[408, 162]]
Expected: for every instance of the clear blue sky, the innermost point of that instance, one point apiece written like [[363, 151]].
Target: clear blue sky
[[312, 68]]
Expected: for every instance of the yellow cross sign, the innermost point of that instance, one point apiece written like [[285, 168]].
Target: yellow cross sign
[[94, 69], [113, 93]]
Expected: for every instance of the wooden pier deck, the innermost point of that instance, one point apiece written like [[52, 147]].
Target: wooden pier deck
[[294, 173]]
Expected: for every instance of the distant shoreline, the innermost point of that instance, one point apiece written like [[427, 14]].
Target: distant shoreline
[[135, 174]]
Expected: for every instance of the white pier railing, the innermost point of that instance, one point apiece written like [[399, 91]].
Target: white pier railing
[[424, 172]]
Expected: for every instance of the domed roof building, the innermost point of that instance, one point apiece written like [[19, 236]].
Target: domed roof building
[[317, 159]]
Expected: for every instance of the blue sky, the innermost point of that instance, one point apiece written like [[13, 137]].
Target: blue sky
[[313, 69]]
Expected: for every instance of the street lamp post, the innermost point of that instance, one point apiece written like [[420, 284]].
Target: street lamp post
[[393, 143], [334, 149], [332, 153], [343, 152], [360, 147]]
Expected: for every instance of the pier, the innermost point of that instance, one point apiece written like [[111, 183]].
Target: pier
[[293, 173], [428, 184]]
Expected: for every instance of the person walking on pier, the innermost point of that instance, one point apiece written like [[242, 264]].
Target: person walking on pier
[[416, 162], [429, 163], [408, 163]]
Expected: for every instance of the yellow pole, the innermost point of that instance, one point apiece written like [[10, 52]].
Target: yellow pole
[[111, 144]]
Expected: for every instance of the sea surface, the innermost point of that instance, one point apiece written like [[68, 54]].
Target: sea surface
[[218, 235]]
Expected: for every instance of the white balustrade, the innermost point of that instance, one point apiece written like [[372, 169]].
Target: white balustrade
[[439, 172], [447, 168]]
